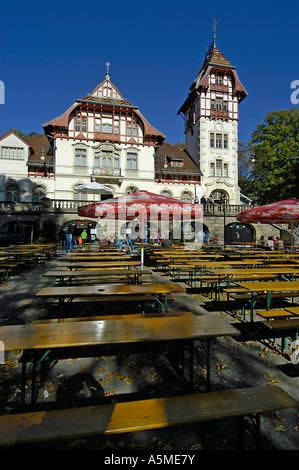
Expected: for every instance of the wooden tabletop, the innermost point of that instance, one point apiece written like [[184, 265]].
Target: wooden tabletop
[[190, 255], [293, 310], [109, 289], [93, 253], [100, 264], [55, 335], [222, 263], [266, 270], [96, 257], [275, 286], [98, 272]]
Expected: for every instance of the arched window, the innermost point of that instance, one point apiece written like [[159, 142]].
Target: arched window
[[166, 193], [12, 193], [38, 192], [220, 197], [186, 197], [79, 195], [131, 189]]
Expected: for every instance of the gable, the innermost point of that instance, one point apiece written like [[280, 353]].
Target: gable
[[12, 140], [106, 89]]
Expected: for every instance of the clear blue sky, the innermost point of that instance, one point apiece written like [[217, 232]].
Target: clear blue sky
[[52, 53]]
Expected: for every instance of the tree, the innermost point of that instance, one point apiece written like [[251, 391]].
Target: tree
[[245, 167], [275, 147], [19, 133]]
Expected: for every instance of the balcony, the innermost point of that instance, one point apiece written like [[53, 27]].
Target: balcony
[[108, 174], [218, 87], [219, 113]]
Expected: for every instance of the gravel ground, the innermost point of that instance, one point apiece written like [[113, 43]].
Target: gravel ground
[[81, 381]]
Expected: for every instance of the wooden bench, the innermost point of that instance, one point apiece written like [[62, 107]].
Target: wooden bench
[[132, 416]]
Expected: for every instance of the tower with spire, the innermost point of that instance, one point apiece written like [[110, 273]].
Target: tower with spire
[[211, 114]]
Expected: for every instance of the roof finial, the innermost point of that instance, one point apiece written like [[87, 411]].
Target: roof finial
[[214, 37], [107, 76]]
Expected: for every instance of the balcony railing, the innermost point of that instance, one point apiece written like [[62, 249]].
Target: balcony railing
[[71, 206], [110, 172], [219, 113]]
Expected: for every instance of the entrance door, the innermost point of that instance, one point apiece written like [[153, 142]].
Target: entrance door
[[238, 232]]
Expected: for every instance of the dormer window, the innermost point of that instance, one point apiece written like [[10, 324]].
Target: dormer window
[[177, 163]]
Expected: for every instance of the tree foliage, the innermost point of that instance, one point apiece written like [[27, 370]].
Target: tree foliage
[[275, 148], [245, 167], [19, 133]]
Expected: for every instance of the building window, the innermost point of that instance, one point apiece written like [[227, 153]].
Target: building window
[[218, 167], [177, 163], [12, 153], [80, 124], [225, 170], [219, 141], [116, 127], [219, 80], [219, 103], [12, 193], [212, 169], [186, 197], [80, 157], [84, 124], [212, 140], [106, 160], [38, 193], [219, 196], [225, 141], [131, 161], [97, 125], [166, 193], [77, 124], [132, 189], [107, 125], [79, 196], [97, 161], [132, 129]]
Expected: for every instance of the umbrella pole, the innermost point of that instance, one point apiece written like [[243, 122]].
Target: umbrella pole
[[142, 241], [292, 231]]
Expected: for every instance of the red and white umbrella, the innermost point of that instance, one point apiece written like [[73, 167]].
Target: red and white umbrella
[[130, 206], [142, 206], [281, 212]]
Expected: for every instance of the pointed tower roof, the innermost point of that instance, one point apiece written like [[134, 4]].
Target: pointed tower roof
[[214, 60]]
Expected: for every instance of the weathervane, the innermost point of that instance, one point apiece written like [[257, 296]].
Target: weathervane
[[107, 73]]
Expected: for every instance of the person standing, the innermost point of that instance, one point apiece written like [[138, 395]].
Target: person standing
[[206, 237], [84, 236], [69, 242]]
